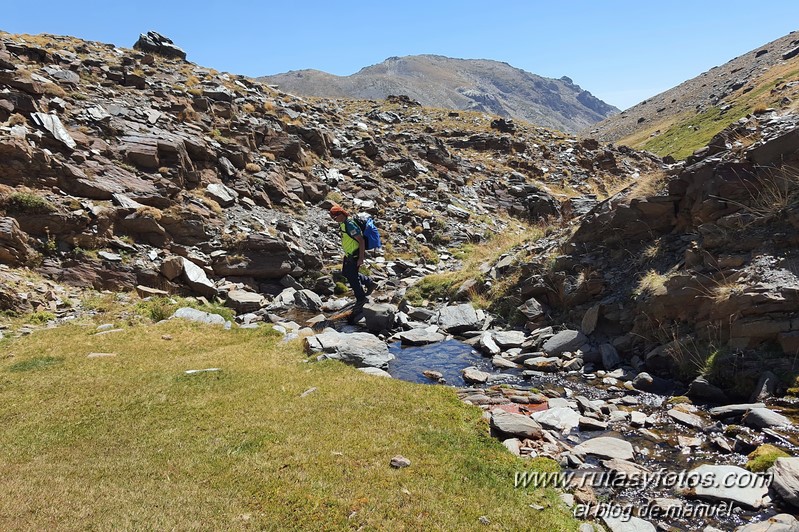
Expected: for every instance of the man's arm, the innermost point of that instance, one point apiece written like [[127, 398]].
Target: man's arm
[[361, 247]]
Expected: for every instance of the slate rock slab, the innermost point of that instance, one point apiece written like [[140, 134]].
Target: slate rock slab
[[359, 349]]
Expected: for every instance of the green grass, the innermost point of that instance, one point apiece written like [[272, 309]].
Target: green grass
[[131, 441], [474, 257], [689, 135], [27, 203], [763, 457], [686, 135]]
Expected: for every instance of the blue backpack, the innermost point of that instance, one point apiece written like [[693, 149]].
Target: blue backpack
[[371, 236]]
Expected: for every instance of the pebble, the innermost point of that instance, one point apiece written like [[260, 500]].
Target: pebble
[[400, 461]]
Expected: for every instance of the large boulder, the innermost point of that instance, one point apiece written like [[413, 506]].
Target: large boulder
[[358, 349], [155, 43]]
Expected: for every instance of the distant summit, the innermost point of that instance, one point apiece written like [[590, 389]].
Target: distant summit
[[466, 84]]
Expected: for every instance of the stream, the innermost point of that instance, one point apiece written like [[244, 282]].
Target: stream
[[657, 447]]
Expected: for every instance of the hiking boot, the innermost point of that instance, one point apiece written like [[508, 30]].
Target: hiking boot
[[370, 288]]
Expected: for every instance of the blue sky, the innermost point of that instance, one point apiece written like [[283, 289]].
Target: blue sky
[[622, 51]]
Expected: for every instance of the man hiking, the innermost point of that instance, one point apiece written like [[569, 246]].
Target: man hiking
[[354, 246]]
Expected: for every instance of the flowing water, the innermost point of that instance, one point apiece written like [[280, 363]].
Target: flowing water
[[659, 449]]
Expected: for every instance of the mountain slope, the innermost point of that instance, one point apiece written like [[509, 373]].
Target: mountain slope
[[467, 84], [686, 117]]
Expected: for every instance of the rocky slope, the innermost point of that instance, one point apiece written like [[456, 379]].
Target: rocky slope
[[465, 84], [123, 168], [686, 117]]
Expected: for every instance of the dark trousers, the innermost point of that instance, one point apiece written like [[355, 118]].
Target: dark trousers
[[356, 279]]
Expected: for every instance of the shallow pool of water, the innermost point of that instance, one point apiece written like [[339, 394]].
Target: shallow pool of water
[[448, 357]]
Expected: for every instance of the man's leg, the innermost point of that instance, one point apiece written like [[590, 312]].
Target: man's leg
[[350, 271]]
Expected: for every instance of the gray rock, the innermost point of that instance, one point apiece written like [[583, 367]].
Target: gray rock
[[359, 349], [242, 301], [591, 424], [563, 419], [633, 524], [503, 363], [223, 195], [610, 357], [379, 316], [400, 461], [786, 479], [196, 279], [509, 339], [487, 345], [737, 410], [765, 387], [692, 420], [625, 467], [763, 418], [590, 319], [585, 405], [754, 495], [531, 309], [459, 318], [420, 337], [563, 341], [475, 376], [543, 363], [514, 445], [14, 248], [156, 43], [192, 314], [606, 447], [308, 300], [375, 372], [515, 425], [777, 523], [637, 419], [649, 383], [172, 267], [701, 390]]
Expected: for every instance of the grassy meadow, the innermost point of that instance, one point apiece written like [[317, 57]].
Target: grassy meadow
[[131, 441]]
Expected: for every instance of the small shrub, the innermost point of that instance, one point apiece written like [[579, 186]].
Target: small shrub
[[248, 108], [17, 119], [252, 168], [41, 317], [149, 212], [651, 283], [51, 89], [157, 308], [28, 203]]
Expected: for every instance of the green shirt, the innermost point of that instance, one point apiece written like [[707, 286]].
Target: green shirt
[[349, 230]]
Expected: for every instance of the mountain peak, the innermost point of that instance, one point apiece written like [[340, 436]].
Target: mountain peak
[[482, 85]]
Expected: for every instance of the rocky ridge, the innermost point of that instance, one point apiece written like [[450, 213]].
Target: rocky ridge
[[466, 84], [763, 77]]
